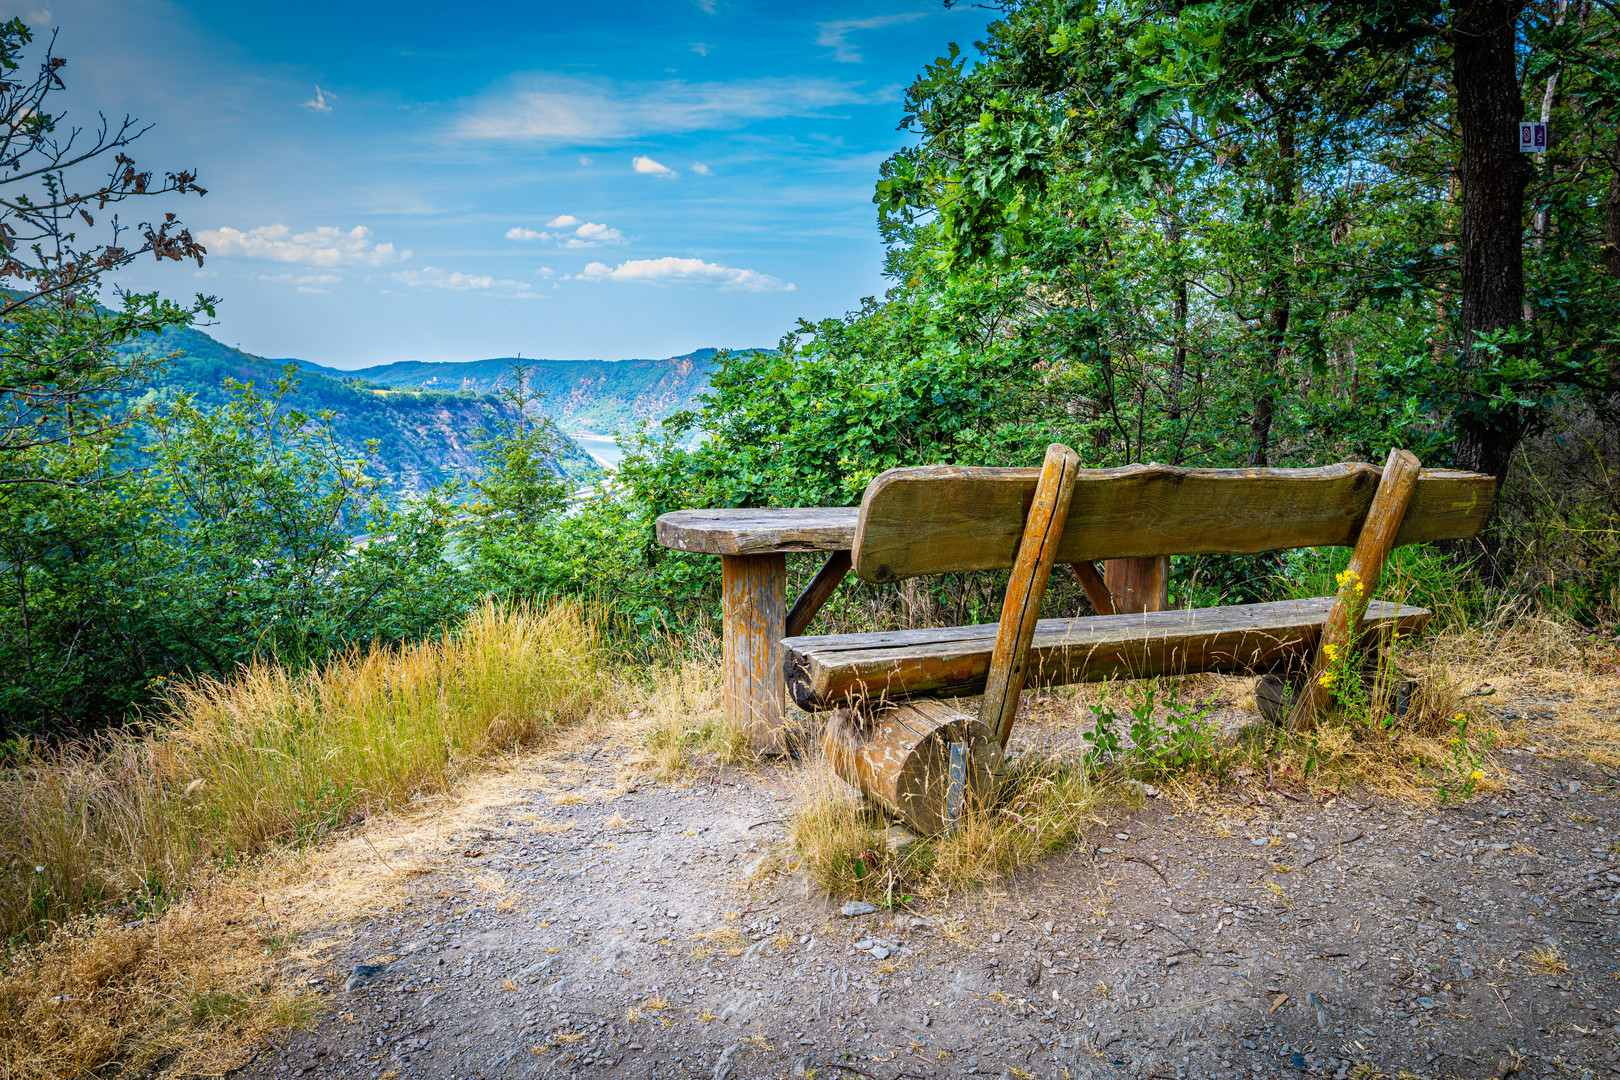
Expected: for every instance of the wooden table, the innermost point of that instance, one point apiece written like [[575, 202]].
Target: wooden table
[[753, 546]]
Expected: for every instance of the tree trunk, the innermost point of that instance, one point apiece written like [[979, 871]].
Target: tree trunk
[[1178, 361], [1280, 288], [1611, 262], [1492, 176]]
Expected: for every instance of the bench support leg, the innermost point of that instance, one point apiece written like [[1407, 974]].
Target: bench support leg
[[752, 589]]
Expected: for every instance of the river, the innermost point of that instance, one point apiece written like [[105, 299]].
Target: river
[[601, 447]]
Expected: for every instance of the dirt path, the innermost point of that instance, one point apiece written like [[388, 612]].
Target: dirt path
[[571, 922]]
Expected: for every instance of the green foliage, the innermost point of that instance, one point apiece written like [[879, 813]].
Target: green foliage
[[1182, 740]]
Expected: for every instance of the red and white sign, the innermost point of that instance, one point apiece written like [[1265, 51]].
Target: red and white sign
[[1532, 138]]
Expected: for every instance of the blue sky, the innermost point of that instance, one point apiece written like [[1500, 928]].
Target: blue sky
[[448, 182]]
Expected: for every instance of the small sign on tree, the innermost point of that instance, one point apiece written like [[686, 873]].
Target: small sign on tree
[[1532, 138]]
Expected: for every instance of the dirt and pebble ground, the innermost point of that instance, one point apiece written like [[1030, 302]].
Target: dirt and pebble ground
[[576, 920]]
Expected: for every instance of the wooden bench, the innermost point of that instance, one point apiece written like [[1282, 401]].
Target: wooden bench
[[945, 519]]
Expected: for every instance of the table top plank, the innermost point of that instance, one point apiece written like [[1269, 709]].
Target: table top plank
[[759, 530]]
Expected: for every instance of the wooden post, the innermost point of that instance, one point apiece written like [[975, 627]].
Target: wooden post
[[1138, 585], [1037, 552], [1342, 630], [1094, 585], [752, 588], [817, 593]]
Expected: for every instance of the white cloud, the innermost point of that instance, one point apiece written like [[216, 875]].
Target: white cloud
[[43, 15], [573, 233], [702, 169], [431, 277], [707, 6], [320, 102], [835, 35], [305, 283], [564, 109], [324, 246], [701, 48], [693, 271], [648, 167]]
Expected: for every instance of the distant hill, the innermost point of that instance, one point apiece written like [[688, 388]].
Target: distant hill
[[424, 437], [581, 395]]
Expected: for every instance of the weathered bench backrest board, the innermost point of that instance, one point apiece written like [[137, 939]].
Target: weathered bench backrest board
[[938, 519]]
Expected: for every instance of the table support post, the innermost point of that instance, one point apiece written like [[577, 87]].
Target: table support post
[[753, 588], [1138, 585]]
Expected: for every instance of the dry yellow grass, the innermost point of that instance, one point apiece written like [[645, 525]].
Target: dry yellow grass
[[1041, 806], [139, 825], [676, 716]]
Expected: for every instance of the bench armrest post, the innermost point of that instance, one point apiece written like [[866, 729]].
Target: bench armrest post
[[1360, 581], [1020, 610]]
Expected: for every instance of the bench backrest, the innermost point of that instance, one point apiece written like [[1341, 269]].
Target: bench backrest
[[938, 519]]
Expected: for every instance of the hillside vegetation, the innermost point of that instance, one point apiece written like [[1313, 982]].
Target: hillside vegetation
[[580, 395], [422, 438]]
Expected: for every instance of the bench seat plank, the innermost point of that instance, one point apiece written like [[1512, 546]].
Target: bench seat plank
[[829, 670]]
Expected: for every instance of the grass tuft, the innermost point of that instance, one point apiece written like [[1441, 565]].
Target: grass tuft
[[846, 848]]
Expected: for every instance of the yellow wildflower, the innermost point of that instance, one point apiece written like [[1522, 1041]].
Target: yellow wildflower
[[1327, 678], [1477, 774], [1332, 651]]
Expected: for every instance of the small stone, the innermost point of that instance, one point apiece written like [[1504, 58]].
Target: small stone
[[364, 975], [1259, 841], [857, 907], [879, 952], [898, 838], [1427, 1003]]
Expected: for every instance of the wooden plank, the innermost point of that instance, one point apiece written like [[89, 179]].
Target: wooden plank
[[818, 592], [828, 670], [1095, 587], [1360, 581], [1021, 607], [900, 757], [1138, 585], [752, 588], [943, 518], [759, 531]]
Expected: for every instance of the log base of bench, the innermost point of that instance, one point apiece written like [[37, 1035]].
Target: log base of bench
[[899, 756]]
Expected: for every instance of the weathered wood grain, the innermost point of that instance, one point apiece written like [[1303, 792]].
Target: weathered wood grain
[[817, 593], [1138, 585], [1342, 630], [751, 595], [1026, 586], [945, 518], [1095, 587], [825, 671], [899, 756], [759, 531]]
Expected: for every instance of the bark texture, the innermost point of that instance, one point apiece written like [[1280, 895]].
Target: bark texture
[[1492, 176]]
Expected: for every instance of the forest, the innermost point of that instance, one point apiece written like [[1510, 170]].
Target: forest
[[1239, 234]]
